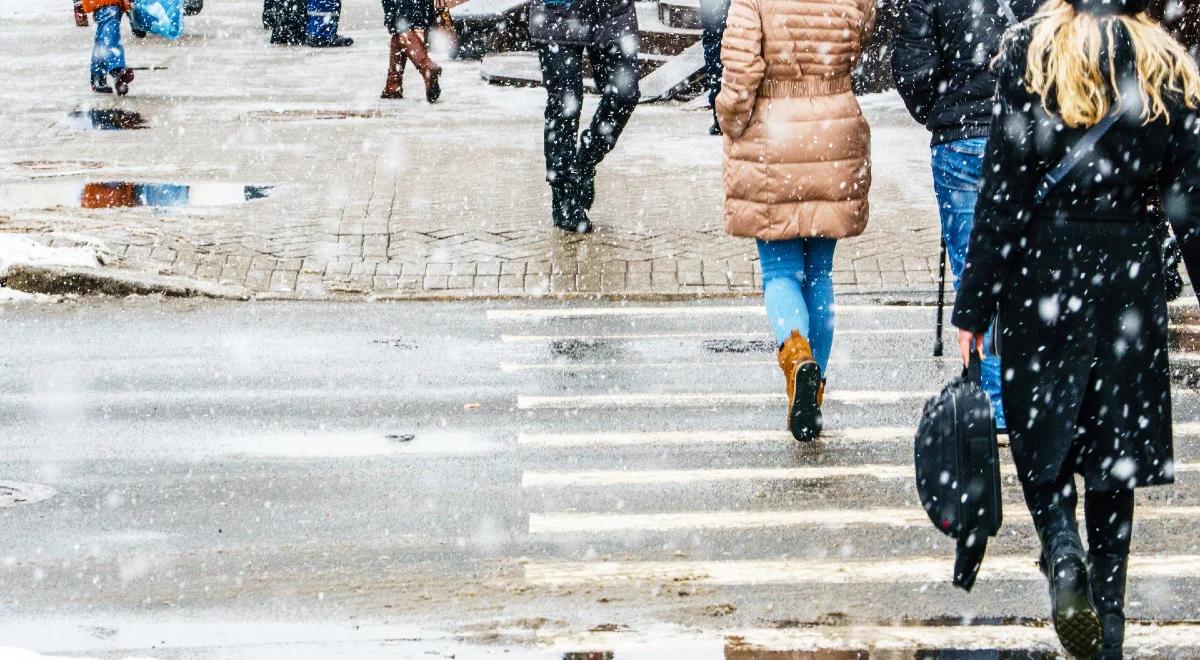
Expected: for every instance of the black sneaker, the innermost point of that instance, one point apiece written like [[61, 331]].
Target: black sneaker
[[715, 129], [100, 85]]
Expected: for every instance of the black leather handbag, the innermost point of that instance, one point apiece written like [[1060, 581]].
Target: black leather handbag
[[958, 469]]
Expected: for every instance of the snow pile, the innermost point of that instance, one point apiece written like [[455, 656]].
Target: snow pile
[[19, 250], [9, 653]]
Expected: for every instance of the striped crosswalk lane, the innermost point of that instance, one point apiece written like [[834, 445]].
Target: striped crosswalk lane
[[623, 467]]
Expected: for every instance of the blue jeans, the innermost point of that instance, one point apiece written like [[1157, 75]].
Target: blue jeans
[[957, 177], [798, 291], [107, 53]]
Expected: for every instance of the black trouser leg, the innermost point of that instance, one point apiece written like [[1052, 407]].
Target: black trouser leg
[[615, 70], [562, 76], [1109, 518], [713, 14], [1052, 506]]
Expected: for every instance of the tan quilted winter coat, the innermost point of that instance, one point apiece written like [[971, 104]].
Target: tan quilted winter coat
[[797, 148]]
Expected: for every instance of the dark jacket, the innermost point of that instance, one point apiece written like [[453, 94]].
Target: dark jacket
[[599, 23], [1078, 281], [941, 61], [403, 15]]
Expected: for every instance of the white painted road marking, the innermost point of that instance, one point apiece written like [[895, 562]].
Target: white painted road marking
[[910, 517], [712, 336], [553, 479], [688, 310], [800, 571], [639, 439], [1141, 638], [706, 437], [700, 400]]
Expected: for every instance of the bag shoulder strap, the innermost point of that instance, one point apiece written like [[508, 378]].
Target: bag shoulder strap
[[1009, 14], [1085, 145]]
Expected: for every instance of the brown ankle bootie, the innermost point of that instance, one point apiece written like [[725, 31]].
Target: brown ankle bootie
[[394, 87], [805, 388]]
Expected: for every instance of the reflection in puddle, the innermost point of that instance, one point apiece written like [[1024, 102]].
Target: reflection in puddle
[[125, 194], [105, 120]]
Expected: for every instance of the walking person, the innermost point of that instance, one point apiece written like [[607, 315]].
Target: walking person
[[1065, 250], [941, 60], [108, 53], [564, 30], [797, 169], [713, 14], [409, 21]]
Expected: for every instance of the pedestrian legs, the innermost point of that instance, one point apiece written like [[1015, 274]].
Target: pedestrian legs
[[413, 44], [713, 14], [798, 294], [957, 176], [615, 71], [562, 76], [1109, 517], [1064, 564], [108, 53], [798, 291]]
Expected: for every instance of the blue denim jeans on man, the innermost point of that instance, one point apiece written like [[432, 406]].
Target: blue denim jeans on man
[[957, 177], [107, 53], [798, 291]]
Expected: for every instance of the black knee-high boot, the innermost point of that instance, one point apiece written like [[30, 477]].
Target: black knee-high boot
[[1064, 563], [1110, 528]]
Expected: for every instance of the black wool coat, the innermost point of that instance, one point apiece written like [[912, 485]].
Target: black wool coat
[[941, 62], [595, 23], [403, 15], [1078, 281]]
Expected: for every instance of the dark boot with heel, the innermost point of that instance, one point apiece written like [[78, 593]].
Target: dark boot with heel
[[1107, 575], [1074, 616], [566, 210]]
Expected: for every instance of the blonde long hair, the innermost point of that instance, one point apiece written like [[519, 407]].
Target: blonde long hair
[[1065, 63]]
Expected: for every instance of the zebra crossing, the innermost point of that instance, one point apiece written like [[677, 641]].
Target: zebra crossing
[[654, 460]]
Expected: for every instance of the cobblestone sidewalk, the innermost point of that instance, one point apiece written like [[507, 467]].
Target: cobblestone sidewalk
[[394, 198]]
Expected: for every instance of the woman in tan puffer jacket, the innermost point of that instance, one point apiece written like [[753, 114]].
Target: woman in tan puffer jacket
[[797, 168]]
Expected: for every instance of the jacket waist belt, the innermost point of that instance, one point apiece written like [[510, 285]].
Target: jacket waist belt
[[782, 89]]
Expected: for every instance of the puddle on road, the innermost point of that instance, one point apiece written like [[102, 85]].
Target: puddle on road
[[109, 119], [739, 346], [582, 349], [126, 194]]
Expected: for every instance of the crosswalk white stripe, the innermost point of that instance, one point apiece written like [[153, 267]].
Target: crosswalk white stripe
[[707, 437], [802, 571], [600, 523], [882, 472], [701, 400], [1141, 638], [716, 336], [686, 310], [511, 367], [638, 439]]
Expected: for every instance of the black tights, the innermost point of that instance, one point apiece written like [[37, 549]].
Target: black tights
[[1108, 514]]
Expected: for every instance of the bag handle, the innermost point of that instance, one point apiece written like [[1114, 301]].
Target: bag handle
[[1009, 14], [1082, 148], [973, 372]]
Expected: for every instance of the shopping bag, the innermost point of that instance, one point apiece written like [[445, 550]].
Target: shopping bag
[[161, 17]]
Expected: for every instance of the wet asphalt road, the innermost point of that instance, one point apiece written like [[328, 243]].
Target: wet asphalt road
[[479, 480]]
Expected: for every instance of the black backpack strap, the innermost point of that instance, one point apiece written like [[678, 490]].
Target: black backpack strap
[[1085, 145], [968, 559], [1009, 14]]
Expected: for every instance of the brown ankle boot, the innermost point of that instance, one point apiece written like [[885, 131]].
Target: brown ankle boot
[[394, 87], [431, 72], [805, 388]]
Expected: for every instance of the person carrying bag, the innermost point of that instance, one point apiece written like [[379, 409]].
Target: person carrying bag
[[1079, 283]]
